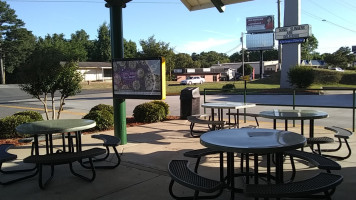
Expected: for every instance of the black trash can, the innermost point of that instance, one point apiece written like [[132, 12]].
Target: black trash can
[[189, 102]]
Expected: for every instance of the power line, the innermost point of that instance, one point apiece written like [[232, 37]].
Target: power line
[[324, 20], [332, 13]]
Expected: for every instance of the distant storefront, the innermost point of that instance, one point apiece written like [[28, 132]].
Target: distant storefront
[[95, 71]]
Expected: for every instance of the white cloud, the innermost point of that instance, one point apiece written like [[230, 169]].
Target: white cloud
[[210, 44]]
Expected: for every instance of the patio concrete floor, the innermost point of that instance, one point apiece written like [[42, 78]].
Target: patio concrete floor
[[142, 173]]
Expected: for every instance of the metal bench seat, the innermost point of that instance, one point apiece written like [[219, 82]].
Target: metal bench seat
[[180, 173], [340, 134], [199, 153], [109, 141], [5, 157], [64, 158], [323, 182], [315, 159], [198, 120]]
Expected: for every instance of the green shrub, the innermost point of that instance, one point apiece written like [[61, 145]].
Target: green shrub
[[327, 77], [228, 87], [9, 123], [164, 105], [348, 78], [108, 108], [248, 69], [103, 118], [301, 76], [34, 115], [148, 112]]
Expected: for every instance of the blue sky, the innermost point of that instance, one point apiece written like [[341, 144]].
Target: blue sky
[[333, 22]]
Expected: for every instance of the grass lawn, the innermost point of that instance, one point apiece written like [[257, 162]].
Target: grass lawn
[[174, 88]]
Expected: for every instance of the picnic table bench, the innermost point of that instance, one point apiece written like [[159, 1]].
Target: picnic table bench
[[5, 157], [64, 158], [323, 182], [182, 174], [198, 119]]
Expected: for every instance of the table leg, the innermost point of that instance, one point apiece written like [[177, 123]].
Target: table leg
[[311, 132], [37, 151], [255, 157], [311, 128], [286, 125], [237, 118], [279, 167], [231, 174], [63, 142], [274, 124]]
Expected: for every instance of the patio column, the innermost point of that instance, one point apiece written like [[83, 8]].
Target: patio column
[[117, 51]]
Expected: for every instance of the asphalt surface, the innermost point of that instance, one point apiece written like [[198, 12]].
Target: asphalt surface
[[12, 100]]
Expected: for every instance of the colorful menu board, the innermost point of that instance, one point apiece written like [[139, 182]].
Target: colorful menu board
[[139, 78]]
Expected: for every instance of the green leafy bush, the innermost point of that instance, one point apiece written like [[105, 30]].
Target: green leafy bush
[[103, 118], [301, 76], [164, 105], [108, 108], [228, 87], [34, 115], [248, 69], [149, 112], [9, 123], [327, 77]]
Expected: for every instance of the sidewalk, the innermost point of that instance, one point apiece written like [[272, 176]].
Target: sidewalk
[[142, 173]]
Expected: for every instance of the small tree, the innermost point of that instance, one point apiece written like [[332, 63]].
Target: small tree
[[44, 79], [301, 76], [247, 69]]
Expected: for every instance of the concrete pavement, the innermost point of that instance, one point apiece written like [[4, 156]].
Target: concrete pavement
[[142, 173]]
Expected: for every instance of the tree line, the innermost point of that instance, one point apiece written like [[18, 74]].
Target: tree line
[[20, 49]]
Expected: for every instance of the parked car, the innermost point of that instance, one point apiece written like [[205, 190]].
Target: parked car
[[337, 69], [193, 80]]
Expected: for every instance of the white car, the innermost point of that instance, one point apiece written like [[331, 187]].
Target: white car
[[338, 69], [193, 80]]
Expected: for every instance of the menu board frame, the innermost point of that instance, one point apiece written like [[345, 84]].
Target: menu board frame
[[139, 78]]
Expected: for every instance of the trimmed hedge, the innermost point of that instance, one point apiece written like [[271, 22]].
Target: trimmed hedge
[[103, 115], [103, 118], [9, 123], [149, 112], [301, 76], [108, 108], [164, 105], [34, 115], [327, 77]]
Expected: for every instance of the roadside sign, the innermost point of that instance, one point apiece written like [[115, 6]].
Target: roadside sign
[[260, 24], [291, 32], [288, 41], [259, 41]]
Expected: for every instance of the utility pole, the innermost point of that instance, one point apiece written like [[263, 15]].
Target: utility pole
[[2, 68]]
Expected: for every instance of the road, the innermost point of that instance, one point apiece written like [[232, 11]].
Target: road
[[12, 100]]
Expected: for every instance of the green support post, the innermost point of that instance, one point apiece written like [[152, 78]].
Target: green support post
[[117, 51]]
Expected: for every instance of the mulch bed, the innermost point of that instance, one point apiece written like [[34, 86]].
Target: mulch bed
[[130, 122]]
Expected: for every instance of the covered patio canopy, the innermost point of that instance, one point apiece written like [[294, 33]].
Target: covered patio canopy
[[203, 4]]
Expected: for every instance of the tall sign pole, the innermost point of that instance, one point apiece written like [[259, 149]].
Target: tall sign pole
[[279, 45], [290, 52], [117, 51]]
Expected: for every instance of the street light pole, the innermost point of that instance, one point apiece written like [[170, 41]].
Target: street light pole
[[243, 54]]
